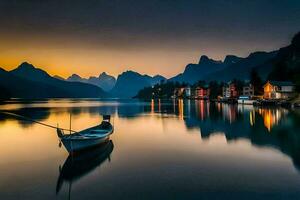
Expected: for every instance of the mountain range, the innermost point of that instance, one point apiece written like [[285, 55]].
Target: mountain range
[[27, 81], [261, 61], [129, 83], [104, 81], [232, 67], [126, 85]]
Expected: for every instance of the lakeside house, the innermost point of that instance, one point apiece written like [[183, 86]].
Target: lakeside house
[[273, 90], [202, 92], [247, 95], [178, 92], [248, 91], [278, 90], [230, 91], [182, 92], [187, 92]]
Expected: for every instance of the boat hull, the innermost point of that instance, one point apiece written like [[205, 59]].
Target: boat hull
[[80, 144], [86, 138]]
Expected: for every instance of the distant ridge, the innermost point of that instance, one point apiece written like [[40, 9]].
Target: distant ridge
[[104, 81], [59, 77], [129, 83], [26, 81], [206, 66], [232, 67], [260, 60]]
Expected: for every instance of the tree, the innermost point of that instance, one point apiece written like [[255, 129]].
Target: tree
[[200, 83], [239, 84], [215, 89], [256, 81]]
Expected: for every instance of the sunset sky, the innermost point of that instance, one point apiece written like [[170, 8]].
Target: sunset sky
[[147, 36]]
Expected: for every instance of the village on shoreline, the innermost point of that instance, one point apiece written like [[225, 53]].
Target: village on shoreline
[[272, 93]]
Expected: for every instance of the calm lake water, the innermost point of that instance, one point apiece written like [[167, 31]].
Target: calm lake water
[[159, 150]]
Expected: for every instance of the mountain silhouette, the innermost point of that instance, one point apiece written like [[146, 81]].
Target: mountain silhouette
[[231, 59], [196, 72], [287, 63], [59, 77], [76, 78], [261, 61], [26, 81], [232, 67], [104, 81], [129, 83]]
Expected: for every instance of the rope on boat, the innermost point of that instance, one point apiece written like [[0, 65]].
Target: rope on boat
[[35, 121]]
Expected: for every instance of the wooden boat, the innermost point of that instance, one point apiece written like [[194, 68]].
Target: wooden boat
[[86, 138]]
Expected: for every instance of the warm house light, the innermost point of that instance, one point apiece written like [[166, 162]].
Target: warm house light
[[202, 113], [180, 108], [278, 90], [267, 88], [268, 122], [152, 105], [270, 117]]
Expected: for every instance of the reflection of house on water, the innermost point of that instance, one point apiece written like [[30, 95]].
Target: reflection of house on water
[[189, 108], [277, 128], [271, 116], [180, 109], [264, 127], [78, 165]]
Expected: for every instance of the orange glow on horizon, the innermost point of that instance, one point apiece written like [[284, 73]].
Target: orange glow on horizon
[[92, 62], [81, 55]]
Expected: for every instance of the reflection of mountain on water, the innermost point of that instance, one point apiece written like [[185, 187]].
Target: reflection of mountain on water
[[41, 110], [38, 114], [78, 165], [277, 128]]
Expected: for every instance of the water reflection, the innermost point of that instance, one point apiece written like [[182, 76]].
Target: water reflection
[[186, 110], [262, 126], [270, 127], [272, 117], [162, 145], [193, 112], [79, 165], [39, 114]]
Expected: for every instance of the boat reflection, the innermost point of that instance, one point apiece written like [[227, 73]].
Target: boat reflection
[[78, 165], [275, 127]]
